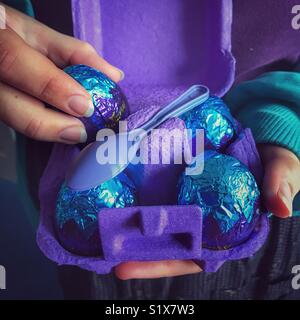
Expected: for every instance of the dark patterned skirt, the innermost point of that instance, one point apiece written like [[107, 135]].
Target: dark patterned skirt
[[266, 275]]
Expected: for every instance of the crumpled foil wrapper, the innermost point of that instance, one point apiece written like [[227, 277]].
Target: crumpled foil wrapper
[[77, 212], [228, 195], [213, 116], [109, 101]]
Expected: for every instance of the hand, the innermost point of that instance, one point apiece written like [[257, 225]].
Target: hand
[[280, 185], [31, 55], [281, 179]]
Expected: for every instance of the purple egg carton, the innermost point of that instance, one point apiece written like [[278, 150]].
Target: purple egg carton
[[148, 232], [180, 48]]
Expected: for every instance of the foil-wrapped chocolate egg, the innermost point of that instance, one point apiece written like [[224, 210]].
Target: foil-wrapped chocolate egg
[[229, 197], [76, 220], [109, 101], [213, 116]]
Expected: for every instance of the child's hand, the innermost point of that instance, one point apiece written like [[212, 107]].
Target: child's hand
[[280, 185], [281, 180], [30, 57]]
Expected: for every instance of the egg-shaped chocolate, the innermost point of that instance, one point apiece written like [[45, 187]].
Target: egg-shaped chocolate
[[229, 197], [110, 104], [213, 116], [76, 219]]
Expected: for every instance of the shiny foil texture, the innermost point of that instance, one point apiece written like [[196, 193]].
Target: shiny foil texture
[[228, 195], [109, 101], [76, 220], [213, 116]]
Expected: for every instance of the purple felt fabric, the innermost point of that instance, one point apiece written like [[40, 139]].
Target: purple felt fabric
[[162, 52], [151, 233]]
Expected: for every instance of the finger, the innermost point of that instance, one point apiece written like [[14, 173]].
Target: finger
[[155, 269], [61, 49], [281, 180], [30, 117], [30, 71], [276, 190], [65, 50]]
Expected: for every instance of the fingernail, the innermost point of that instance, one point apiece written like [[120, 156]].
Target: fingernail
[[285, 195], [81, 105], [73, 135], [122, 74]]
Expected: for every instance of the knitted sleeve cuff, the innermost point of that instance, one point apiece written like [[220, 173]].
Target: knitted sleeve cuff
[[272, 123], [24, 6]]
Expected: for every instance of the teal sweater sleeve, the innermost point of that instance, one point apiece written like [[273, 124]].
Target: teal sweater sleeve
[[270, 106], [21, 5]]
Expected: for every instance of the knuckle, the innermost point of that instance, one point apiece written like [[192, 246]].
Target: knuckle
[[292, 164], [48, 88], [33, 129], [86, 47], [7, 59]]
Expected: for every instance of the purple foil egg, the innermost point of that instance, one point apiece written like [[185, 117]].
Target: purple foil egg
[[229, 198], [213, 116], [109, 101], [76, 220]]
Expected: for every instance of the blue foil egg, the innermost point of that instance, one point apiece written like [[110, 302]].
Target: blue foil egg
[[109, 101], [229, 197], [76, 221], [213, 116]]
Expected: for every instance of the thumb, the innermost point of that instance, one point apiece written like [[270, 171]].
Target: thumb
[[281, 180]]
